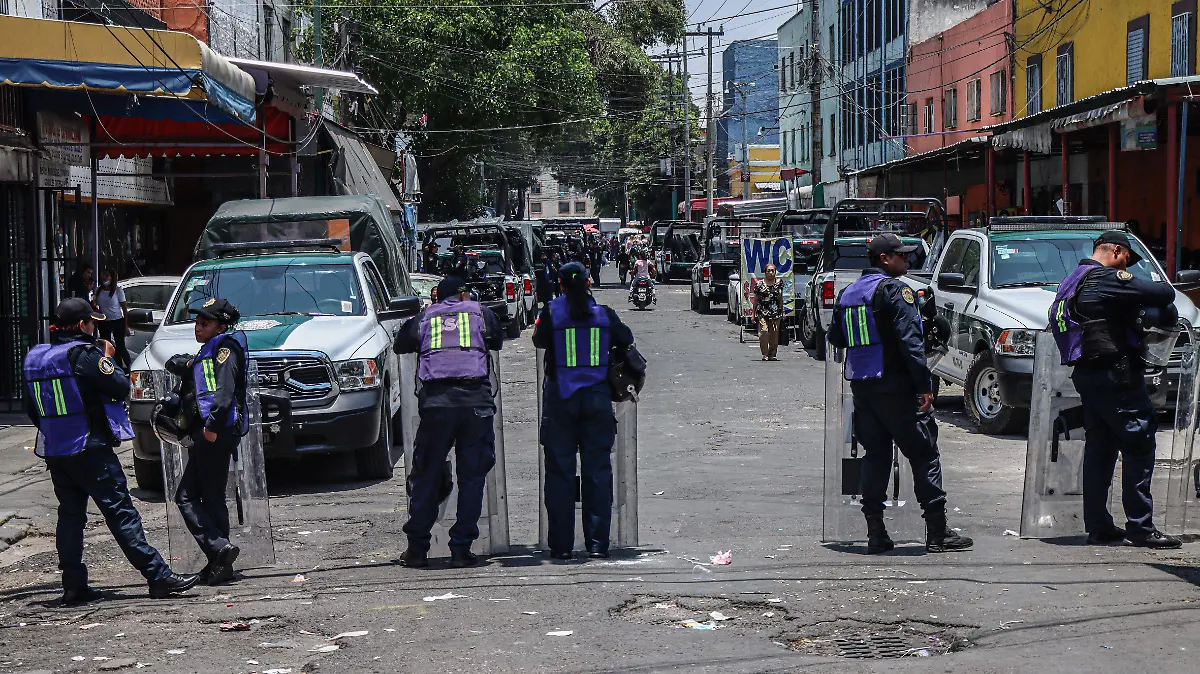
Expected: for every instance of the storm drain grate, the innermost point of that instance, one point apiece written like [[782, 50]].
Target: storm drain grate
[[874, 646]]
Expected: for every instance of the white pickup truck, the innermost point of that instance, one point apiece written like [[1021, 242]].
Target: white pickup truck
[[994, 285]]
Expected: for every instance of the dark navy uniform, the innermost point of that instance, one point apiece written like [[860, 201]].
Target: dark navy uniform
[[75, 396], [885, 406], [457, 407], [577, 416], [1118, 413]]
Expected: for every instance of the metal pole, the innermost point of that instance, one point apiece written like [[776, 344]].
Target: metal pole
[[95, 219], [712, 128], [1066, 176], [745, 147], [687, 138], [318, 56], [1114, 140], [1183, 126], [1027, 186], [1173, 178]]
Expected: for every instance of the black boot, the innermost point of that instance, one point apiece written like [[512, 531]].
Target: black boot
[[878, 540], [83, 595], [939, 537], [461, 559], [414, 559], [172, 584]]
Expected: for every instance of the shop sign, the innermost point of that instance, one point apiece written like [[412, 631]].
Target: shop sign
[[54, 170], [1139, 133]]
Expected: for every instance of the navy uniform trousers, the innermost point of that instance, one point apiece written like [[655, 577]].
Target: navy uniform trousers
[[469, 432], [1117, 417], [883, 419], [583, 424], [202, 496], [96, 473]]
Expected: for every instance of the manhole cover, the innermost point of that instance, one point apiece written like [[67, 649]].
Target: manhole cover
[[865, 640]]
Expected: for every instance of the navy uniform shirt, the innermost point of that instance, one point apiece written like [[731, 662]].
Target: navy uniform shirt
[[99, 379], [899, 324], [619, 335], [231, 387], [1117, 296], [473, 392]]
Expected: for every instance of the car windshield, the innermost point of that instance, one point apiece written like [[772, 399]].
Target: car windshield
[[149, 296], [1045, 258], [423, 287], [273, 289], [853, 256], [804, 226]]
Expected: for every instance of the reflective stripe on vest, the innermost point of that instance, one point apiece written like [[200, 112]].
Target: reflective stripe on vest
[[857, 333], [864, 350], [204, 373], [573, 350]]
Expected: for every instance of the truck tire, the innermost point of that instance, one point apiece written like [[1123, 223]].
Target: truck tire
[[808, 333], [375, 462], [981, 398], [513, 329], [692, 297], [148, 474], [703, 305]]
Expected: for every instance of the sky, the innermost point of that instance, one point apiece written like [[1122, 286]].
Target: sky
[[742, 20]]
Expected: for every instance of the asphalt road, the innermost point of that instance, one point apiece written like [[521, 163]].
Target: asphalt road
[[730, 459]]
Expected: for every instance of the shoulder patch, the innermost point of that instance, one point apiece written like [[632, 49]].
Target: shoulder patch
[[222, 354], [907, 294], [107, 366], [1123, 275], [211, 301]]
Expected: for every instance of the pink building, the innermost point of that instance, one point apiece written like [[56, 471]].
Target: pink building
[[960, 80]]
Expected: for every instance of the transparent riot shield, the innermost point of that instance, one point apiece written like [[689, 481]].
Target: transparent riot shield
[[493, 521], [841, 513], [625, 488], [1176, 467], [248, 502]]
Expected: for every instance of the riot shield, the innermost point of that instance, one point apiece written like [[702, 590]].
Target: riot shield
[[246, 493], [841, 513], [625, 488], [1175, 484], [493, 521]]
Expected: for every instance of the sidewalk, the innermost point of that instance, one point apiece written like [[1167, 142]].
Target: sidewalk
[[25, 491]]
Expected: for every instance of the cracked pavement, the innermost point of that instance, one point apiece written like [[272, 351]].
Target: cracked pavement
[[730, 458]]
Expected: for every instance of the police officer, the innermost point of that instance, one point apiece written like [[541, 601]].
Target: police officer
[[452, 339], [75, 395], [877, 322], [580, 337], [1093, 320], [219, 376]]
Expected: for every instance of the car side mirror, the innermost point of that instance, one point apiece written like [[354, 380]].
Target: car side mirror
[[1185, 277], [402, 307], [735, 277], [145, 318], [950, 280]]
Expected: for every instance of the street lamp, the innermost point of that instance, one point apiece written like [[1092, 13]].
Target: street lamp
[[742, 88]]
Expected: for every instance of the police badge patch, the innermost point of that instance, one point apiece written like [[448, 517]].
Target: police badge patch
[[211, 301], [107, 366], [907, 294], [222, 355], [1123, 275]]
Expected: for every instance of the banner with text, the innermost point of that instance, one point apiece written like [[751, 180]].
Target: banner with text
[[756, 254]]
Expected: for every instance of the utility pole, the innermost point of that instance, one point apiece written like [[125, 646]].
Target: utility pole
[[687, 136], [745, 147], [318, 56], [815, 69], [712, 124]]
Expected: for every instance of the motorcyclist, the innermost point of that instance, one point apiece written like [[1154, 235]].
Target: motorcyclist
[[642, 269]]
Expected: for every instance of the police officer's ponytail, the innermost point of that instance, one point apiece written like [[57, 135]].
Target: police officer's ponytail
[[574, 279]]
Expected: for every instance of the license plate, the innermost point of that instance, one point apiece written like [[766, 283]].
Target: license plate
[[641, 295]]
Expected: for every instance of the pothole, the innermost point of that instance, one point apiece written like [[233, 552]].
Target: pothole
[[700, 612], [866, 640]]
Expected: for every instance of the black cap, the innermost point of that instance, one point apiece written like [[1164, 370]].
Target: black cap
[[573, 275], [1119, 239], [450, 288], [74, 309], [887, 243], [219, 310]]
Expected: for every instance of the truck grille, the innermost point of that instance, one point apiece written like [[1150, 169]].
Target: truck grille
[[303, 377]]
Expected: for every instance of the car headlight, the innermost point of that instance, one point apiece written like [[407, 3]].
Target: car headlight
[[1016, 342], [357, 375], [150, 385]]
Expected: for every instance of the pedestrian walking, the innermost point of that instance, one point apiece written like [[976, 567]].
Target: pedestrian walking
[[1093, 320], [218, 373], [456, 403], [110, 301], [877, 322], [768, 312], [75, 399], [581, 339]]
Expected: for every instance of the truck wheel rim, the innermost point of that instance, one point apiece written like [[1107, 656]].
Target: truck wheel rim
[[987, 394]]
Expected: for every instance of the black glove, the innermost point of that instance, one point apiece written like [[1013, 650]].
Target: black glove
[[180, 365]]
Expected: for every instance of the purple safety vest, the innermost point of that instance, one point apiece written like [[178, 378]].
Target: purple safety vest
[[864, 349], [204, 374], [580, 347], [50, 381], [1065, 326], [452, 345]]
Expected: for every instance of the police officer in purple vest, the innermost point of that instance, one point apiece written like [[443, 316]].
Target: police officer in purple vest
[[877, 322], [218, 373], [74, 396], [580, 337], [452, 339], [1093, 321]]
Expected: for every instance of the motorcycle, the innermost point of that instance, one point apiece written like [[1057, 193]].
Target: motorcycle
[[642, 294]]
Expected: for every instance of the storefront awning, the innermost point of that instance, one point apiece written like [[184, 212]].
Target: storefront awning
[[355, 170], [115, 59], [296, 75]]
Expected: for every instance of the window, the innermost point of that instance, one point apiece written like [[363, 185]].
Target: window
[[379, 294], [974, 105], [1064, 74], [970, 265], [782, 74], [1183, 42], [999, 86], [536, 189], [1033, 84], [908, 119], [929, 116], [268, 17], [581, 207], [149, 296], [535, 208], [564, 207], [285, 27], [950, 109], [833, 135], [792, 72], [1137, 50]]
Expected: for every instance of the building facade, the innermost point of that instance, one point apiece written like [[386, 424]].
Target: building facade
[[762, 175], [549, 198], [749, 101], [799, 129]]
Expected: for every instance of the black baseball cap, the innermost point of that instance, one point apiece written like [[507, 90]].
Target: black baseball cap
[[887, 243], [218, 309], [451, 287], [1119, 239], [74, 309], [573, 275]]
